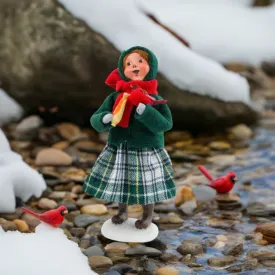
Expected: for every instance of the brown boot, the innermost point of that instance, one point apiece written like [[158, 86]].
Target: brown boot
[[146, 217], [122, 215]]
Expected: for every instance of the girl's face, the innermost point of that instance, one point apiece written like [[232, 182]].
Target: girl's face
[[136, 67]]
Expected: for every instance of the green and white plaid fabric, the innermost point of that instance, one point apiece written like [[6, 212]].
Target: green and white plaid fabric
[[131, 176]]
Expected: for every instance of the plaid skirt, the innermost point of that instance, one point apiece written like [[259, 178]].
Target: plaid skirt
[[131, 176]]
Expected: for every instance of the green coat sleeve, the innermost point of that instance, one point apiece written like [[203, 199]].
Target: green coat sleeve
[[105, 108], [157, 119]]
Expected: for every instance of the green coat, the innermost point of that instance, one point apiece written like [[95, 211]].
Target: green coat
[[144, 131]]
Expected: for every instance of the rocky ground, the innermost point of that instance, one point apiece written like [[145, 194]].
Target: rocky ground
[[215, 238]]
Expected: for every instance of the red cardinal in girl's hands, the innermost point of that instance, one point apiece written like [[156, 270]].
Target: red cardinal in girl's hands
[[52, 217], [222, 184]]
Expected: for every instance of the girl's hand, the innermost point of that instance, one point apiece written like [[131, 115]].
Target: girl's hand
[[107, 118], [140, 108]]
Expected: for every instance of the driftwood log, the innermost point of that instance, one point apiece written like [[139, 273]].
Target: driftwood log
[[49, 58]]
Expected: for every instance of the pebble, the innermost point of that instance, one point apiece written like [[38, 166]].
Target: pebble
[[112, 272], [221, 238], [184, 195], [47, 204], [94, 251], [9, 226], [116, 247], [77, 232], [28, 128], [190, 247], [148, 264], [68, 130], [94, 209], [142, 250], [221, 261], [99, 262], [169, 219], [77, 189], [233, 249], [219, 244], [268, 231], [52, 157], [241, 132], [158, 244], [84, 220], [250, 264], [87, 241], [69, 205], [261, 255], [169, 258], [221, 223], [219, 145], [122, 268], [61, 145], [30, 220], [235, 268], [209, 242], [21, 225], [91, 201], [167, 271], [12, 216], [222, 160], [119, 258]]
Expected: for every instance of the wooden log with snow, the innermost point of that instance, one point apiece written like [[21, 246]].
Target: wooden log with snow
[[55, 56]]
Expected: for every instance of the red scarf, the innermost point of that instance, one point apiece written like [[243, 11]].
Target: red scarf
[[122, 86]]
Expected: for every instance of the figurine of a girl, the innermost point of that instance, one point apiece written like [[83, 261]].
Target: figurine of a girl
[[134, 167]]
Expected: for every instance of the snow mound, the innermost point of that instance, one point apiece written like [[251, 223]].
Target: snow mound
[[45, 252], [17, 179], [180, 65], [10, 110]]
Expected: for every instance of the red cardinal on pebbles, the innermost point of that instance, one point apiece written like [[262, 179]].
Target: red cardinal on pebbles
[[52, 217], [222, 184]]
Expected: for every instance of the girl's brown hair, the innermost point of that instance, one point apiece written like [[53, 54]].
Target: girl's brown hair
[[144, 54]]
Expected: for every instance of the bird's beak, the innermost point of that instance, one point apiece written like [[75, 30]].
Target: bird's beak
[[235, 179], [66, 211]]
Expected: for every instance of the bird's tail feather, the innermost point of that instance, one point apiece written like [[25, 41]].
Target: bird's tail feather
[[30, 212], [205, 172]]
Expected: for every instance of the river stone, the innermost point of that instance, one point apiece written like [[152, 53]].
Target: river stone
[[241, 132], [167, 271], [250, 264], [235, 268], [12, 216], [68, 130], [121, 268], [116, 247], [47, 204], [261, 255], [221, 261], [77, 232], [53, 157], [9, 226], [158, 244], [94, 209], [142, 250], [268, 231], [190, 247], [99, 262], [84, 220], [169, 258], [69, 205], [28, 128], [219, 145], [21, 225], [148, 264], [112, 272], [94, 251], [233, 249]]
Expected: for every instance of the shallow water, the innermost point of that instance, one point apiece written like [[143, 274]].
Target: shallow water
[[257, 169]]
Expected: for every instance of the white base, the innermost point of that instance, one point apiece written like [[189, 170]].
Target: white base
[[127, 232]]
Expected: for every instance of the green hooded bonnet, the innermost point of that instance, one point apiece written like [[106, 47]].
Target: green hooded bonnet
[[153, 63]]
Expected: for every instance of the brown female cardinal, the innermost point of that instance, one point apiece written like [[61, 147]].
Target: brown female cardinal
[[52, 217], [222, 184]]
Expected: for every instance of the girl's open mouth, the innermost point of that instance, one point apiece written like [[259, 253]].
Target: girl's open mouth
[[136, 71]]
